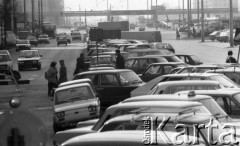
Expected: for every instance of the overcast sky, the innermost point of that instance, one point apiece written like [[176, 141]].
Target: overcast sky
[[73, 5]]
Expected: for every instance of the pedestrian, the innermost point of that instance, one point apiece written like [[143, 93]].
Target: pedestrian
[[120, 62], [177, 34], [230, 59], [62, 72], [51, 76], [79, 65], [194, 33]]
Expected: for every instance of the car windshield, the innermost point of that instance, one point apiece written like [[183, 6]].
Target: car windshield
[[225, 81], [195, 58], [129, 77], [237, 97], [29, 54], [173, 59], [73, 94], [3, 58]]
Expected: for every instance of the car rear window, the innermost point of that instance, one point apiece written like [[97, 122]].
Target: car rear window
[[73, 94]]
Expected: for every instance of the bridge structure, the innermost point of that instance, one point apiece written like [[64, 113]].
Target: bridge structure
[[145, 12]]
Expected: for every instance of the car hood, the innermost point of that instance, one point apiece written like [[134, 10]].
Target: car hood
[[26, 59], [145, 88], [62, 136]]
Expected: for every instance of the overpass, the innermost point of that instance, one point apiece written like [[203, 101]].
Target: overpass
[[145, 12]]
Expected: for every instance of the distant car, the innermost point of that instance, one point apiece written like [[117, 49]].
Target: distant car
[[74, 103], [76, 35], [189, 59], [222, 79], [139, 64], [172, 87], [23, 45], [157, 69], [141, 28], [33, 40], [5, 61], [29, 59], [162, 46], [43, 39], [112, 86], [62, 40], [214, 35]]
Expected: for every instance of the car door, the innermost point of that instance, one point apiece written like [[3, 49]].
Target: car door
[[152, 72]]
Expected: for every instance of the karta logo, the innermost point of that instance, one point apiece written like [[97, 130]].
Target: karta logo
[[211, 132]]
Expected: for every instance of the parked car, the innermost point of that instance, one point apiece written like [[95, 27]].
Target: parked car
[[141, 28], [157, 69], [189, 59], [125, 55], [102, 61], [170, 58], [139, 64], [126, 138], [74, 103], [214, 35], [5, 61], [89, 53], [136, 46], [162, 46], [23, 45], [172, 87], [43, 39], [112, 86], [131, 108], [33, 40], [197, 69], [29, 59], [228, 100], [76, 35], [61, 40], [222, 79], [144, 52], [232, 72]]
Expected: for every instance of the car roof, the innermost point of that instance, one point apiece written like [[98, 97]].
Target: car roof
[[75, 82], [105, 71], [167, 97], [102, 56], [144, 50], [168, 63], [213, 92], [119, 138], [160, 55], [191, 75], [29, 51], [147, 56], [112, 53], [72, 86], [229, 69], [189, 82]]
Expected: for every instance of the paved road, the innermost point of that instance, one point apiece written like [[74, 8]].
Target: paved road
[[35, 99]]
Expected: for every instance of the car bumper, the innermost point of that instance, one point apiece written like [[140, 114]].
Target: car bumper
[[30, 65]]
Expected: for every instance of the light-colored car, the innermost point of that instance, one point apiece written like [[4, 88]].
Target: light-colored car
[[102, 61], [5, 61], [74, 103], [222, 79], [172, 87], [23, 45], [130, 108], [126, 138], [29, 59], [43, 39]]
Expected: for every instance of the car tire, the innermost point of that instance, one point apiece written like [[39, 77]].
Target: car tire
[[55, 127]]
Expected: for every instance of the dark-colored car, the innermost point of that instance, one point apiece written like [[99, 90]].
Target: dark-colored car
[[62, 40], [139, 64], [112, 86], [33, 40], [214, 35], [189, 59], [157, 69]]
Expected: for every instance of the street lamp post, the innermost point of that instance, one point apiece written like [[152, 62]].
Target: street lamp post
[[231, 24], [202, 22]]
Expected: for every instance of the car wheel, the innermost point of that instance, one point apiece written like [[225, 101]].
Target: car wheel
[[55, 127]]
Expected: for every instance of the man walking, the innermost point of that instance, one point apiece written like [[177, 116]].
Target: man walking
[[120, 62], [230, 59], [62, 72]]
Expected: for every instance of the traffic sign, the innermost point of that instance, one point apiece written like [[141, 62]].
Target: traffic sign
[[21, 128]]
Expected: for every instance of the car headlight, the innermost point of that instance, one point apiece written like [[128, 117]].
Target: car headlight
[[92, 108], [60, 114]]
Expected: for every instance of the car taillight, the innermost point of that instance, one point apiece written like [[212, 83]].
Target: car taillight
[[60, 114], [92, 108]]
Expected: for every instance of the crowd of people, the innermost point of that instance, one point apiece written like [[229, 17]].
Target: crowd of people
[[52, 74]]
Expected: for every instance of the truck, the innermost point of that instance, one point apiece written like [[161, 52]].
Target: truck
[[150, 36], [116, 25]]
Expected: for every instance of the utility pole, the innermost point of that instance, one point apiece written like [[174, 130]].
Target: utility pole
[[202, 22], [80, 18], [12, 19], [198, 12], [24, 9], [188, 7], [33, 18], [183, 13], [231, 24], [39, 15], [85, 19]]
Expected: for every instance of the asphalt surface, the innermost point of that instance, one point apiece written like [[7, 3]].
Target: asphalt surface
[[34, 96]]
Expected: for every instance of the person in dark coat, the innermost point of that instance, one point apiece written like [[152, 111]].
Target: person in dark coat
[[230, 59], [79, 65], [62, 72], [120, 62], [177, 34], [52, 77]]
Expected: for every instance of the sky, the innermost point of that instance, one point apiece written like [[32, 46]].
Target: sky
[[74, 5]]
